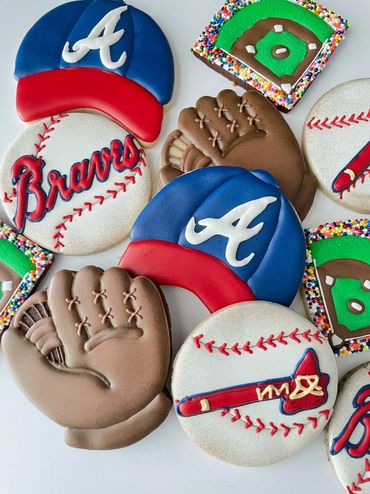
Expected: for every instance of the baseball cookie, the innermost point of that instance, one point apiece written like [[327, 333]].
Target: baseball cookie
[[254, 383], [93, 354], [224, 233], [275, 46], [348, 436], [242, 131], [336, 141], [22, 264], [336, 283], [105, 56], [70, 179]]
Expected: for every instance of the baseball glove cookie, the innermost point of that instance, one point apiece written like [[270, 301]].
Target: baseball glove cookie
[[254, 383], [93, 354], [348, 436], [244, 131]]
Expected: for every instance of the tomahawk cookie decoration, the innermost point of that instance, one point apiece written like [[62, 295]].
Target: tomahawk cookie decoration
[[254, 383], [97, 344], [275, 46], [337, 283]]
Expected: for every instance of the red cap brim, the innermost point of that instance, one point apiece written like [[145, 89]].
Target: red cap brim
[[48, 93], [171, 264]]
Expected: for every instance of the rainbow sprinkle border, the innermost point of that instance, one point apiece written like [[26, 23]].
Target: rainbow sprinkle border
[[41, 258], [204, 47], [311, 288]]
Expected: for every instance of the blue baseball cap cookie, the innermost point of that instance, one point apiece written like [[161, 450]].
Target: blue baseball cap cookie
[[105, 56], [224, 233]]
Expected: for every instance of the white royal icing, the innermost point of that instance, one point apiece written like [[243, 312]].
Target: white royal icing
[[234, 226], [101, 38], [7, 286]]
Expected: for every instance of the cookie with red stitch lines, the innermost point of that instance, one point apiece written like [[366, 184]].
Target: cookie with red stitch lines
[[336, 142], [254, 383], [348, 435], [70, 179]]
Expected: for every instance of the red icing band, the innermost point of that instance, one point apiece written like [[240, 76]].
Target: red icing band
[[48, 93], [171, 264]]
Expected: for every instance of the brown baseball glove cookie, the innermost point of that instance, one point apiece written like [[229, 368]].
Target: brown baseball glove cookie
[[93, 354], [245, 131]]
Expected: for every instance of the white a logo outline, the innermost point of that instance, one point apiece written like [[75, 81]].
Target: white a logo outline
[[234, 225], [101, 38]]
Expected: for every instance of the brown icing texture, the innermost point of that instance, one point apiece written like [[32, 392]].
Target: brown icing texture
[[344, 268], [9, 281], [93, 354], [245, 131]]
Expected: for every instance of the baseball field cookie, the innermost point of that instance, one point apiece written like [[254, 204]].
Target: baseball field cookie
[[339, 123], [336, 283], [105, 56], [68, 180], [224, 233], [97, 344], [22, 264], [254, 383], [275, 46], [348, 435], [244, 131]]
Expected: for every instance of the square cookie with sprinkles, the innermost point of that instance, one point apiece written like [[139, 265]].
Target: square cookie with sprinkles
[[336, 283], [275, 46], [22, 264]]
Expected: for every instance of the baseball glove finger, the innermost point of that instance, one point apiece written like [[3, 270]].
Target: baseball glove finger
[[240, 115], [216, 120], [125, 433]]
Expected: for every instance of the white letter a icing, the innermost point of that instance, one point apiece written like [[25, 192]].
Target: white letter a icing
[[234, 226], [101, 38]]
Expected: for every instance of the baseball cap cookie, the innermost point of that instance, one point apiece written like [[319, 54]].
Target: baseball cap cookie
[[348, 435], [104, 55], [75, 183], [254, 383], [224, 233]]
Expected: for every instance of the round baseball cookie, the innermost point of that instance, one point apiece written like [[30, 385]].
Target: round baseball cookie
[[93, 354], [336, 142], [348, 435], [225, 233], [103, 57], [68, 180], [254, 383], [246, 131]]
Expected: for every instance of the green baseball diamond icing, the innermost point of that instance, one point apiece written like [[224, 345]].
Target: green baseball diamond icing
[[243, 20], [344, 290], [346, 247], [286, 66], [14, 258]]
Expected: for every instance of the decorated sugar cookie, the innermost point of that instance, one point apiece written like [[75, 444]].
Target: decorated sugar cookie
[[337, 283], [220, 232], [105, 56], [22, 264], [254, 383], [71, 178], [242, 131], [339, 123], [275, 46], [97, 344], [348, 436]]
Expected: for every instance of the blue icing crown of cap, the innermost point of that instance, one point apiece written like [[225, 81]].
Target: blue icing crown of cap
[[103, 34]]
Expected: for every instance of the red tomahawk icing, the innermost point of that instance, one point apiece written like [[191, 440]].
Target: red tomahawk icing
[[357, 168], [306, 389]]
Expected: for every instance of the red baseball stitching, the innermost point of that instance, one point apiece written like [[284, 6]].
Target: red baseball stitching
[[48, 127], [338, 122], [273, 428], [354, 487], [263, 344], [111, 193]]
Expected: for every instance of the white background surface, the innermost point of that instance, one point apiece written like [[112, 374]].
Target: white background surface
[[33, 457]]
